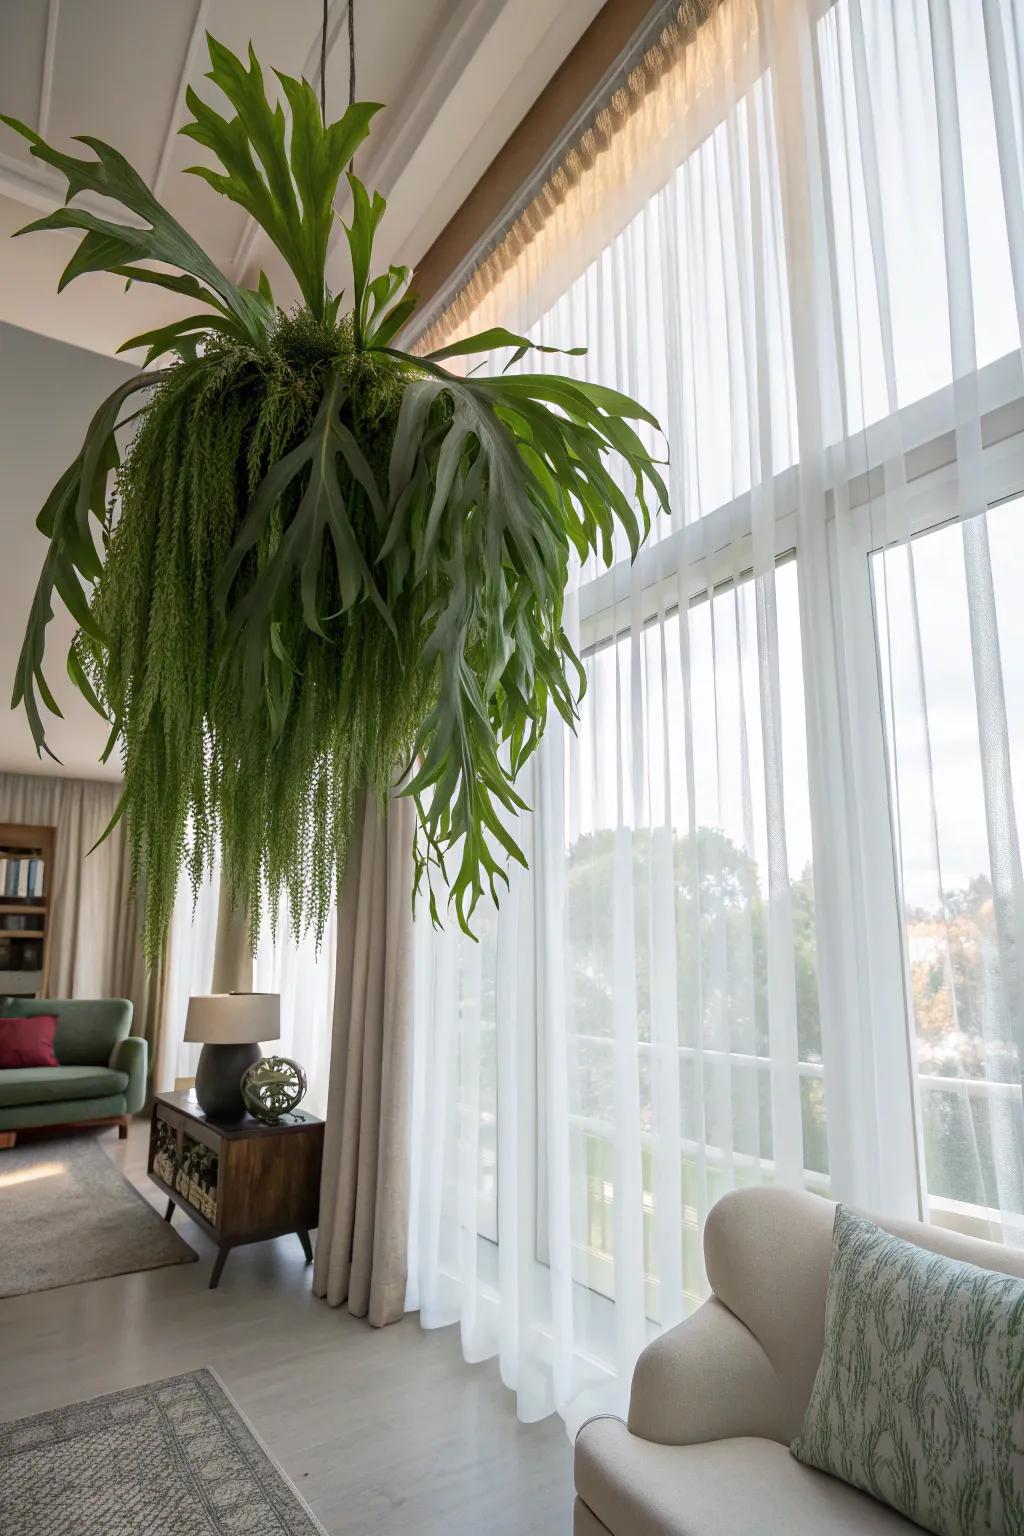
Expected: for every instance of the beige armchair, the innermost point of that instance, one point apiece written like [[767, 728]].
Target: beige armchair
[[716, 1401]]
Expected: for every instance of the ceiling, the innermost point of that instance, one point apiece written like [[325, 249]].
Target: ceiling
[[456, 77]]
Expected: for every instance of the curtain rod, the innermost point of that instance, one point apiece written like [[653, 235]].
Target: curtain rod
[[692, 14]]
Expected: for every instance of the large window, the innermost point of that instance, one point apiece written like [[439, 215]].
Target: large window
[[773, 925]]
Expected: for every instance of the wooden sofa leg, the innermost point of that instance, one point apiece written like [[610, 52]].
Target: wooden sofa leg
[[7, 1140], [122, 1128]]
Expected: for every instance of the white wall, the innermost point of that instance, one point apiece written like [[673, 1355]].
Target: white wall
[[48, 393]]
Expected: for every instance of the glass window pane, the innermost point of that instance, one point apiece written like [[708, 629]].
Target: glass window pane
[[667, 818], [948, 614]]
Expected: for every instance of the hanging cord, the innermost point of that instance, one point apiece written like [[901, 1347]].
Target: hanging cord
[[351, 59], [351, 52], [351, 64], [323, 67]]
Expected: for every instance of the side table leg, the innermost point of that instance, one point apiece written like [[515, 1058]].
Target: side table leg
[[307, 1247], [169, 1211], [218, 1267]]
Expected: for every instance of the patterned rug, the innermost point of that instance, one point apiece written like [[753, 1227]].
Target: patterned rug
[[174, 1458], [67, 1214]]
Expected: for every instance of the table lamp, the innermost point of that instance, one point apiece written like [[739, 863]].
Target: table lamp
[[230, 1026]]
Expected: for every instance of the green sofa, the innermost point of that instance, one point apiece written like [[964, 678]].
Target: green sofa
[[102, 1072]]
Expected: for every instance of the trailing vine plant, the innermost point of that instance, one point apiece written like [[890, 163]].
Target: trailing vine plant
[[322, 563]]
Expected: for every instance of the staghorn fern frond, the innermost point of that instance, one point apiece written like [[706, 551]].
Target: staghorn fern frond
[[287, 184], [333, 563]]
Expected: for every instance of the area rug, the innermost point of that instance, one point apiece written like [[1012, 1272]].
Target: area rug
[[174, 1458], [67, 1214]]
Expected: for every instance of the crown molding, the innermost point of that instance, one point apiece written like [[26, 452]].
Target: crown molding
[[40, 188]]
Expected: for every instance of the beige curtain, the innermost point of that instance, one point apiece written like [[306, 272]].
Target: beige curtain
[[94, 947], [364, 1193], [148, 992]]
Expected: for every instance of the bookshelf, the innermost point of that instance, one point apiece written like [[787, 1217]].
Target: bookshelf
[[26, 890]]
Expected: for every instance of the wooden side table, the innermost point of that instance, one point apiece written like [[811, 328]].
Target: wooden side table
[[258, 1181]]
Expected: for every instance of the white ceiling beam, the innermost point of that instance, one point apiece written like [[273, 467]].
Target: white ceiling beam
[[46, 76], [35, 185], [337, 11], [31, 187], [188, 65]]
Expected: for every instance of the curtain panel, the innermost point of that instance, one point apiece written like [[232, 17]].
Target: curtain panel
[[208, 950], [772, 922], [94, 948], [364, 1194]]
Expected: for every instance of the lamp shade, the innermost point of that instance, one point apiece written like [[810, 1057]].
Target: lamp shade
[[234, 1018]]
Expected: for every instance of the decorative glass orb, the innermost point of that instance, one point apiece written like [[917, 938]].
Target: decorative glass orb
[[272, 1087]]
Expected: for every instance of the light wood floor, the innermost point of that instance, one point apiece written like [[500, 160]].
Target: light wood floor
[[383, 1431]]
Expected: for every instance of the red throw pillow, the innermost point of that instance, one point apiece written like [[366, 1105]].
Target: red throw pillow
[[28, 1042]]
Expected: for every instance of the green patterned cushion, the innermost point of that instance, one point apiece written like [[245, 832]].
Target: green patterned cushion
[[919, 1397]]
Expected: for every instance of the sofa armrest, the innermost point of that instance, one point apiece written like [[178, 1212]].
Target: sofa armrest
[[709, 1379], [131, 1055]]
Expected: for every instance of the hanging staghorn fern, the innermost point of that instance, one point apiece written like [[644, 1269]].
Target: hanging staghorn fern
[[330, 561]]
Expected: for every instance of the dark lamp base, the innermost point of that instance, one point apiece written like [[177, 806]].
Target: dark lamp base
[[218, 1077]]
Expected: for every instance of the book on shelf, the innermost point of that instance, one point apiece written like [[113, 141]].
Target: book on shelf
[[22, 878]]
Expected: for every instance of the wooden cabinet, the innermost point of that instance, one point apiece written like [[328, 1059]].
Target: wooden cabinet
[[242, 1182], [26, 883]]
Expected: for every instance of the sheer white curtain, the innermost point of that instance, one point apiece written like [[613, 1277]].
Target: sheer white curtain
[[755, 943], [190, 950], [302, 975]]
